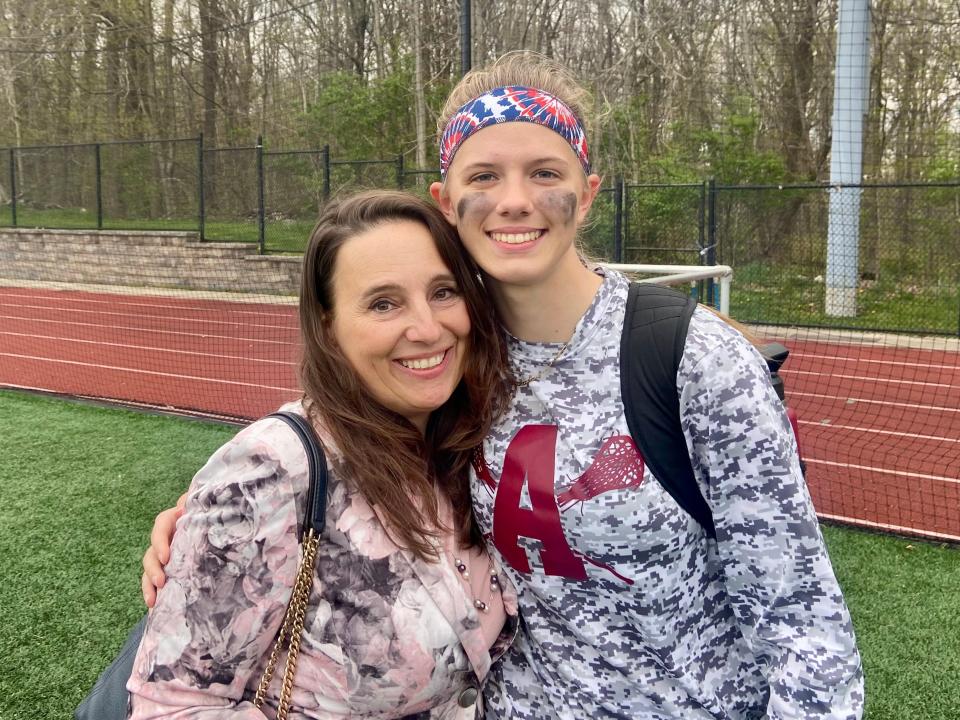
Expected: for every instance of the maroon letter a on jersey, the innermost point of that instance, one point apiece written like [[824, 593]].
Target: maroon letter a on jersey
[[530, 459]]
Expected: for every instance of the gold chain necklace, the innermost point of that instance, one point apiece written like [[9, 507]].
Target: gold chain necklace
[[523, 382]]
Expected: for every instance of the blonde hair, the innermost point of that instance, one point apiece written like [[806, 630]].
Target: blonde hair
[[525, 68]]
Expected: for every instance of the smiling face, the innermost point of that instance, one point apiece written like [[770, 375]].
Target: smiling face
[[516, 193], [399, 319]]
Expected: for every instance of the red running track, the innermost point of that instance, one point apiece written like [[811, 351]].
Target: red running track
[[880, 428], [216, 357], [880, 425]]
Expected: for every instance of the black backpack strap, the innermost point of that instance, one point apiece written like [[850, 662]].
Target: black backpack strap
[[654, 335], [315, 514]]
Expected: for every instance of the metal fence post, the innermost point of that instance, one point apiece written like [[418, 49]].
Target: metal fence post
[[618, 219], [97, 165], [326, 173], [702, 223], [400, 171], [711, 248], [13, 188], [201, 208], [261, 210], [701, 237], [625, 210]]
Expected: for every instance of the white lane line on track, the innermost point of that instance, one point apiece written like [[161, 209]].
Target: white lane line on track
[[887, 526], [149, 372], [830, 426], [853, 401], [788, 373], [800, 354], [884, 471], [224, 306], [158, 317], [244, 358], [151, 330]]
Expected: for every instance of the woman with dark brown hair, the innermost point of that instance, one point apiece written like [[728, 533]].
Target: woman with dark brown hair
[[403, 373]]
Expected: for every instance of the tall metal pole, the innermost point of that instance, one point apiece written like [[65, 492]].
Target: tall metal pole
[[850, 96], [466, 38]]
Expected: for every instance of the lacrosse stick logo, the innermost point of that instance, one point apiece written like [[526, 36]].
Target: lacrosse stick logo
[[617, 466], [530, 462]]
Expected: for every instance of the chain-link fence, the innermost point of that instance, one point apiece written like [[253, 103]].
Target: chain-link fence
[[137, 185], [231, 205], [52, 182], [778, 239], [902, 257]]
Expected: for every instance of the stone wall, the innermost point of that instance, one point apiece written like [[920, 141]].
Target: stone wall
[[144, 259]]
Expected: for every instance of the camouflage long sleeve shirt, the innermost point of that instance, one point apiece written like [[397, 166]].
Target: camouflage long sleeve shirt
[[629, 610]]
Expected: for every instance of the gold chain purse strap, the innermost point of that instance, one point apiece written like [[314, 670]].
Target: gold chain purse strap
[[291, 630]]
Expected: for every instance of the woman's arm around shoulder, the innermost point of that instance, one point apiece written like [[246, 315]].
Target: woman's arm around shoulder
[[776, 570], [229, 579]]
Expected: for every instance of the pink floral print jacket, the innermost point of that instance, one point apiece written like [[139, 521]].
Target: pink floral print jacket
[[387, 635]]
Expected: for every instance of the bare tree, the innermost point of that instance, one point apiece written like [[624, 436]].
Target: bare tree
[[663, 72]]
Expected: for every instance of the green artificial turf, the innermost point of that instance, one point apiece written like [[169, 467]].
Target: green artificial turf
[[904, 597], [81, 485]]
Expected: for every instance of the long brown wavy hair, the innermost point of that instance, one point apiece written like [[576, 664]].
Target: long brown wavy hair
[[385, 456]]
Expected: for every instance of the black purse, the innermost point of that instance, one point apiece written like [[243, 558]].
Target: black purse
[[109, 699]]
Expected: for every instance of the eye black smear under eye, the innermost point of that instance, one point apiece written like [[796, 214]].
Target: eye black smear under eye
[[559, 202], [474, 204]]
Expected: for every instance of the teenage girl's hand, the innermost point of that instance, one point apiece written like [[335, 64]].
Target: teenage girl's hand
[[158, 554]]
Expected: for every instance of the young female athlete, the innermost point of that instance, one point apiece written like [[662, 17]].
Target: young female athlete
[[629, 608]]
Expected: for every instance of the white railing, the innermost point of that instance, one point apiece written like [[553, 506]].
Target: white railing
[[676, 274]]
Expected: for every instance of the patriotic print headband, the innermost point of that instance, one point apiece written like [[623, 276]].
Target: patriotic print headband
[[513, 103]]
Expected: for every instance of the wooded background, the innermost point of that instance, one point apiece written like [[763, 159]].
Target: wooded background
[[740, 90]]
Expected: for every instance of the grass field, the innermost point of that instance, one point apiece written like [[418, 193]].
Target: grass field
[[280, 236], [770, 293], [81, 485], [80, 488]]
